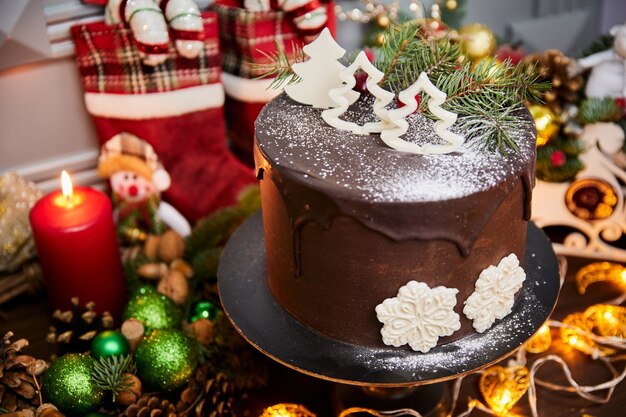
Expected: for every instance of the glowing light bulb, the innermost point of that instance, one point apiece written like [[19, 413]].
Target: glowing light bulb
[[541, 340], [287, 410]]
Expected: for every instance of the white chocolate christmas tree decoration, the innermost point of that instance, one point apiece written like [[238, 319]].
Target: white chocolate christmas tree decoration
[[319, 74], [397, 118], [344, 96], [418, 316], [495, 291]]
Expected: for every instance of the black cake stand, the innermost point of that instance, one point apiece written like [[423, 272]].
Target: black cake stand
[[251, 308]]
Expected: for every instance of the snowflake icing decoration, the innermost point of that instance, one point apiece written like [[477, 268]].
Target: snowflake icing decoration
[[493, 297], [418, 316]]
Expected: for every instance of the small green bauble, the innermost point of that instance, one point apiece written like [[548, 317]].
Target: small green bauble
[[154, 310], [203, 310], [109, 343], [166, 359], [67, 384]]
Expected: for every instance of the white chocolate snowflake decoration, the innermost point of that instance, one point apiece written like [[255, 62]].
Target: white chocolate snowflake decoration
[[418, 316], [494, 295]]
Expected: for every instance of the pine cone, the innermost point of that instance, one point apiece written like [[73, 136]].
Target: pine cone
[[207, 395], [18, 387], [150, 406], [555, 67], [73, 330]]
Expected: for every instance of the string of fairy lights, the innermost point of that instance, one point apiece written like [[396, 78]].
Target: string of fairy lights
[[598, 332], [373, 10]]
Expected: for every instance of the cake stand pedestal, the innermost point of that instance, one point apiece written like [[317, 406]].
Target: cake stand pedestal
[[250, 306]]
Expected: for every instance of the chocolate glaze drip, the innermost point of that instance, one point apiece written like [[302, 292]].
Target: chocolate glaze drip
[[289, 136]]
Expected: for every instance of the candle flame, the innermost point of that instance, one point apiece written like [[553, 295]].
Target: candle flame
[[66, 186]]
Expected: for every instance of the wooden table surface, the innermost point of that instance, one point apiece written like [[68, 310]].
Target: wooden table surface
[[29, 316]]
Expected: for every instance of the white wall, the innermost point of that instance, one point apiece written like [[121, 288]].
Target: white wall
[[42, 113]]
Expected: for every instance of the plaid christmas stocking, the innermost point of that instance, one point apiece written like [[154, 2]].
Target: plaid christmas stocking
[[247, 37], [176, 106]]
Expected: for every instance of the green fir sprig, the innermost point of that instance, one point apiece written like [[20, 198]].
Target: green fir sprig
[[111, 373], [593, 110], [280, 65], [405, 54]]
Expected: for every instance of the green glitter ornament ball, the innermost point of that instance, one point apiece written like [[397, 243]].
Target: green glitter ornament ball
[[109, 343], [166, 359], [154, 310], [68, 385]]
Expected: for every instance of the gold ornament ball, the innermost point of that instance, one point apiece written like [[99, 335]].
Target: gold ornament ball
[[383, 21], [380, 39], [451, 4], [546, 123], [478, 40]]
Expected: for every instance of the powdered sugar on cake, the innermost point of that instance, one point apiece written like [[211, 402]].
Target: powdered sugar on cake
[[379, 173]]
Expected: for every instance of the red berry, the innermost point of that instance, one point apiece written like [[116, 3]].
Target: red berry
[[417, 98], [361, 80], [369, 53], [558, 158], [621, 102]]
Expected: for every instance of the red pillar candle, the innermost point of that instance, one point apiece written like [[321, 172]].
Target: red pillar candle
[[77, 248]]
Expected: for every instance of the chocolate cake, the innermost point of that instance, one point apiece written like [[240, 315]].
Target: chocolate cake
[[349, 221]]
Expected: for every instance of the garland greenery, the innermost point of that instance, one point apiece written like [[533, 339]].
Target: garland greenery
[[571, 148], [593, 110], [487, 96], [111, 373]]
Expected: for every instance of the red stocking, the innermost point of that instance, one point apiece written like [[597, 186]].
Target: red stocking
[[177, 107], [246, 39]]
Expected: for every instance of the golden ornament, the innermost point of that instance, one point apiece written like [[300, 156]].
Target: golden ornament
[[546, 123], [380, 39], [451, 5], [383, 21], [591, 199], [600, 272], [541, 340], [477, 40], [503, 387], [287, 410]]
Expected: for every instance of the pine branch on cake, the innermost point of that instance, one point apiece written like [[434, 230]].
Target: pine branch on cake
[[489, 94], [280, 66], [487, 97], [493, 131], [405, 54]]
